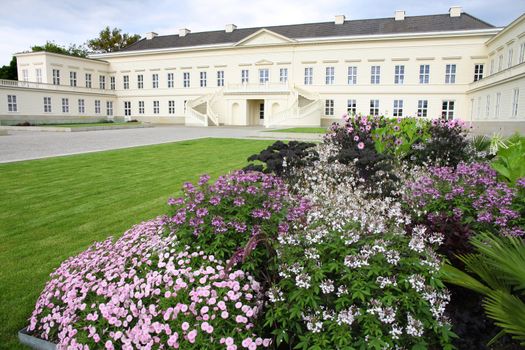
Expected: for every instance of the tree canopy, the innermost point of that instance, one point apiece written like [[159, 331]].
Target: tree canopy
[[9, 71], [72, 50], [110, 40]]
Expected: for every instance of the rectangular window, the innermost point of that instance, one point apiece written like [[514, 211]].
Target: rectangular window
[[422, 108], [351, 107], [450, 74], [141, 107], [424, 73], [498, 104], [112, 83], [308, 75], [25, 75], [521, 58], [329, 107], [186, 79], [88, 80], [81, 106], [127, 108], [220, 78], [244, 76], [126, 82], [283, 75], [109, 108], [56, 77], [38, 72], [203, 79], [447, 110], [374, 107], [73, 78], [399, 74], [65, 105], [97, 106], [375, 74], [352, 75], [487, 106], [171, 80], [398, 108], [102, 82], [171, 107], [140, 81], [478, 72], [47, 104], [510, 58], [330, 76], [515, 101], [491, 66], [479, 108], [500, 63], [155, 80], [264, 75], [11, 103], [156, 107]]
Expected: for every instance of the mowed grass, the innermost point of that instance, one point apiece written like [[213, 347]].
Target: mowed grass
[[302, 130], [54, 208]]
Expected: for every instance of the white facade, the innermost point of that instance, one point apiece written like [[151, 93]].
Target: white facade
[[272, 80]]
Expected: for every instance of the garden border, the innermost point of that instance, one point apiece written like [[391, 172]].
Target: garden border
[[34, 342]]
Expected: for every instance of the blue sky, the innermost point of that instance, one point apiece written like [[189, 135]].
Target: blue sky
[[30, 22]]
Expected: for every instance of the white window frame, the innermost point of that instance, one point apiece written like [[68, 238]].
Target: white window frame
[[220, 78], [478, 71], [171, 107], [65, 105], [351, 106], [56, 76], [352, 75], [155, 80], [500, 63], [283, 75], [329, 109], [510, 57], [140, 81], [186, 79], [264, 76], [127, 108], [156, 107], [81, 106], [479, 108], [97, 106], [450, 73], [125, 80], [375, 75], [422, 108], [424, 73], [515, 102], [498, 105], [89, 81], [521, 57], [308, 75], [399, 74], [203, 79], [109, 108], [38, 74], [492, 64], [47, 105], [448, 109], [142, 109], [374, 107], [171, 80], [112, 83], [25, 74], [398, 108], [102, 82], [73, 78], [487, 107], [12, 105], [245, 76], [329, 75]]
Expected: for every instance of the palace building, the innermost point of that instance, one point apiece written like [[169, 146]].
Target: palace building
[[449, 65]]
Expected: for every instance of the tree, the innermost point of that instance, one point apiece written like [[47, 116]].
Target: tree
[[110, 40], [9, 71], [73, 50]]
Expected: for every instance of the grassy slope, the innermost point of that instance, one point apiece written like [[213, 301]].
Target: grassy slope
[[53, 208], [302, 130]]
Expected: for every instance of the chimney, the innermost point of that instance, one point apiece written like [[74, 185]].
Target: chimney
[[151, 35], [339, 19], [230, 28], [184, 31], [455, 11], [399, 15]]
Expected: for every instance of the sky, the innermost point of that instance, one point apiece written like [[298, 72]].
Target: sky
[[33, 22]]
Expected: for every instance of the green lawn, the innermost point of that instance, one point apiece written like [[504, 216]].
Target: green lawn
[[56, 207], [302, 130], [83, 125]]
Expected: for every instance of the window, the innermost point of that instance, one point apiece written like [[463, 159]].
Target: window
[[185, 105], [109, 108], [283, 75], [140, 81], [25, 75], [399, 74], [244, 76], [447, 110], [47, 104], [422, 108], [102, 82], [374, 107], [329, 107], [11, 103], [500, 63], [491, 66], [450, 74], [510, 58], [81, 106], [203, 79], [155, 80], [88, 80], [264, 75], [220, 78], [521, 58], [398, 108], [170, 80], [424, 73], [56, 77], [479, 108], [171, 107], [156, 107], [97, 106], [126, 82], [65, 105], [352, 75], [73, 78], [487, 106], [112, 83], [308, 76], [478, 72], [375, 74], [38, 72], [498, 103], [351, 107], [330, 76], [141, 107], [515, 99], [186, 79], [127, 108]]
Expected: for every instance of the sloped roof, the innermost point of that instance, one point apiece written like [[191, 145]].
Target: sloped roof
[[378, 26]]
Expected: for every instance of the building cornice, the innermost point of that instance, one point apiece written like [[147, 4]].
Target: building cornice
[[46, 53]]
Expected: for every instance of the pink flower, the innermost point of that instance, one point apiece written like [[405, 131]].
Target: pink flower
[[192, 335], [360, 145], [185, 326]]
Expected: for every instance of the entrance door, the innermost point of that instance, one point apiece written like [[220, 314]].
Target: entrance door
[[261, 113]]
